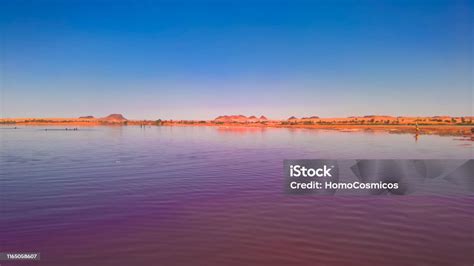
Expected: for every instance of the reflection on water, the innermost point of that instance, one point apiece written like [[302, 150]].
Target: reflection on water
[[241, 130], [214, 196]]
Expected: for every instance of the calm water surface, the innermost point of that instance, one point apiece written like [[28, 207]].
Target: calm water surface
[[214, 196]]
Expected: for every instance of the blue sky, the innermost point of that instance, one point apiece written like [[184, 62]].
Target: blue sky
[[201, 59]]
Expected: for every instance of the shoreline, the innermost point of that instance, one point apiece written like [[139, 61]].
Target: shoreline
[[442, 130]]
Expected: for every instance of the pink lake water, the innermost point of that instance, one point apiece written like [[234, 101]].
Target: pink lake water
[[213, 196]]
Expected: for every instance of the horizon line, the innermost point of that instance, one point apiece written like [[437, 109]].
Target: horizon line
[[239, 115]]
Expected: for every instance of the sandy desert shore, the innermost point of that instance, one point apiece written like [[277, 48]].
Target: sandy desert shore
[[412, 127]]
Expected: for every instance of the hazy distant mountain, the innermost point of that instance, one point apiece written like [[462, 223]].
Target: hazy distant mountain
[[239, 119], [114, 118]]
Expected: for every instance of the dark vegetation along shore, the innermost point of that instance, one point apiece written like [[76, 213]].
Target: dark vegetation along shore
[[439, 125]]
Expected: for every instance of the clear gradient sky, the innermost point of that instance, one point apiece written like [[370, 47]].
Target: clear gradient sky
[[197, 59]]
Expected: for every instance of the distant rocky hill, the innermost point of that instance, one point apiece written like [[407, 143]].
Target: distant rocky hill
[[114, 118], [86, 117], [240, 119]]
